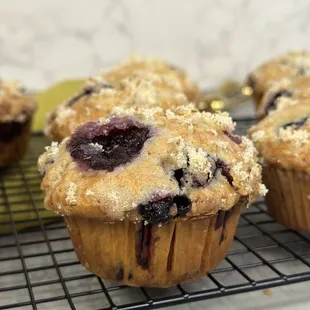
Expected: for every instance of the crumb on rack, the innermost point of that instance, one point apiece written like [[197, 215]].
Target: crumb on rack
[[268, 291]]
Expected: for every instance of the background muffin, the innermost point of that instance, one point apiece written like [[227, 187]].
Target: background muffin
[[97, 99], [150, 69], [292, 64], [152, 197], [16, 112], [283, 140]]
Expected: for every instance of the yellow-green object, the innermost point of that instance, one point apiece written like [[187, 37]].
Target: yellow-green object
[[49, 98]]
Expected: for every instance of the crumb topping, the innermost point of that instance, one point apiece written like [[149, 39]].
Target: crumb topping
[[89, 193], [258, 135], [48, 158], [298, 137], [71, 197], [283, 103]]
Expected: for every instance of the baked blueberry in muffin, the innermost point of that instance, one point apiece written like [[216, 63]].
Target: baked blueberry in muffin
[[97, 99], [290, 65], [16, 112]]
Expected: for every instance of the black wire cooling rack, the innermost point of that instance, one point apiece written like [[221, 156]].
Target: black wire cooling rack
[[39, 269]]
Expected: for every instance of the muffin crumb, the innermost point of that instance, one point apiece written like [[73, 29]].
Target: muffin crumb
[[71, 198], [268, 291]]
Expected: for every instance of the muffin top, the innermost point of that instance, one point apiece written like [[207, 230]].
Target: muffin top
[[296, 90], [283, 138], [151, 69], [152, 165], [97, 99], [292, 64], [15, 105]]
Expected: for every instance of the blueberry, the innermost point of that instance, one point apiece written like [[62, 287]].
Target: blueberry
[[272, 103], [105, 147], [183, 176], [183, 203], [225, 170], [297, 124], [165, 209], [179, 175], [233, 137]]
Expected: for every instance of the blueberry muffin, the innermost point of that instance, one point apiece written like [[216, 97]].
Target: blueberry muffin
[[97, 99], [283, 140], [16, 112], [152, 197], [284, 93], [290, 65], [152, 69]]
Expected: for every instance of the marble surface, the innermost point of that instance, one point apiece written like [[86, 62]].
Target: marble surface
[[43, 41]]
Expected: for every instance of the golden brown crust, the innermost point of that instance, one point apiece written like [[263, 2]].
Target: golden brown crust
[[281, 144], [15, 105], [290, 65], [100, 103], [150, 69], [296, 90], [182, 135]]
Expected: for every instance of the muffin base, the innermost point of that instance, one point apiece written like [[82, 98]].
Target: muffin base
[[136, 254], [13, 150], [288, 198]]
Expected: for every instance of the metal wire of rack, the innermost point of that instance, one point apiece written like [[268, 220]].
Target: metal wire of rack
[[39, 269]]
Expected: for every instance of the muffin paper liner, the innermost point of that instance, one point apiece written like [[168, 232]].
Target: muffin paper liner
[[13, 150], [288, 199], [136, 254]]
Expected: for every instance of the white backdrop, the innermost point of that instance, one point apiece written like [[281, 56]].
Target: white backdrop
[[42, 41]]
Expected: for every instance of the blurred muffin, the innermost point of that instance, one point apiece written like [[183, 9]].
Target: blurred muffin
[[16, 112], [296, 90], [152, 197], [290, 65], [97, 99], [283, 140], [151, 69]]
